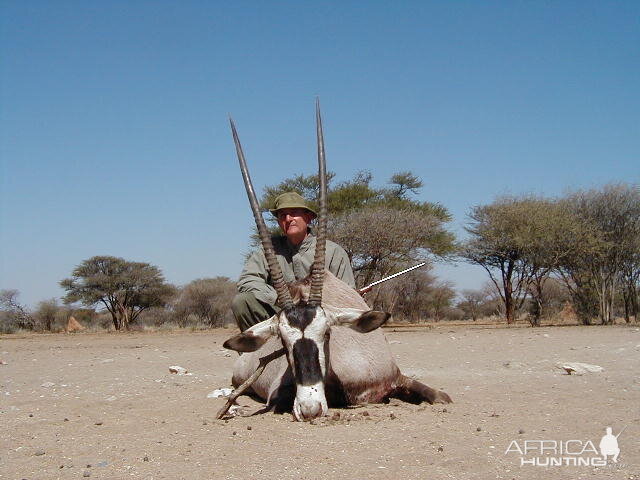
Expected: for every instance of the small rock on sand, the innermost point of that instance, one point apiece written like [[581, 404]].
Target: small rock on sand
[[513, 364], [235, 410], [178, 370], [578, 368], [220, 392]]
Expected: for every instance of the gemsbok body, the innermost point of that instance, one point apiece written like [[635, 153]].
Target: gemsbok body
[[335, 354]]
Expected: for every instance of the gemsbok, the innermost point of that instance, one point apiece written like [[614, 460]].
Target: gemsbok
[[324, 347]]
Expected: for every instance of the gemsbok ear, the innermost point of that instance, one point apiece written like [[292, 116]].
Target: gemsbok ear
[[253, 338], [359, 320]]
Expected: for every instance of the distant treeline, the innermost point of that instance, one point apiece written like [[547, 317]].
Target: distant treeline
[[589, 240], [578, 254]]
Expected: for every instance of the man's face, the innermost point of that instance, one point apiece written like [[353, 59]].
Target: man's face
[[294, 222]]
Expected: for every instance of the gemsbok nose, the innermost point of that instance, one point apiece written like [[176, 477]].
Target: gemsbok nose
[[310, 411], [310, 402]]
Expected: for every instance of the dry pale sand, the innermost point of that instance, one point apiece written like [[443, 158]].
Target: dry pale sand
[[106, 406]]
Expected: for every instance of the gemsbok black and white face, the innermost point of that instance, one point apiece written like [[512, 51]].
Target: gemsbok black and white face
[[305, 331]]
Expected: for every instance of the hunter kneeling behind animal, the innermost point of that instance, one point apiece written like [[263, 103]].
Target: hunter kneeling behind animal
[[313, 343], [295, 251]]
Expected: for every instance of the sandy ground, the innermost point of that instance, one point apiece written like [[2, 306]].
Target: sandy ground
[[105, 406]]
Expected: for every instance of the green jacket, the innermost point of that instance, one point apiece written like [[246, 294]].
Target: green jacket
[[295, 262]]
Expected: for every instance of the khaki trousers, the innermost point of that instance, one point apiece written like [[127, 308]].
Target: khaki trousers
[[248, 310]]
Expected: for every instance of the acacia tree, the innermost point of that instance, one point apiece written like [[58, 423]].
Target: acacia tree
[[381, 240], [498, 243], [630, 269], [613, 216], [555, 236], [590, 239], [524, 239], [382, 229], [124, 288], [472, 302], [630, 279]]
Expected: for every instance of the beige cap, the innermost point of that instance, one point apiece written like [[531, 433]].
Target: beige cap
[[290, 200]]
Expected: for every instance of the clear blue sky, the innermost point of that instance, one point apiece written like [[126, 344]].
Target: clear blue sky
[[114, 137]]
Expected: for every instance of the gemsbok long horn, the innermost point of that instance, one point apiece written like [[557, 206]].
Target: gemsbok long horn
[[317, 269], [277, 279]]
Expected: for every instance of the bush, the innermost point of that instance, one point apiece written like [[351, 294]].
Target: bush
[[14, 315], [7, 323], [207, 301], [155, 317]]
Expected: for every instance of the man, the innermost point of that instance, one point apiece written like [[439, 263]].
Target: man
[[256, 300]]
